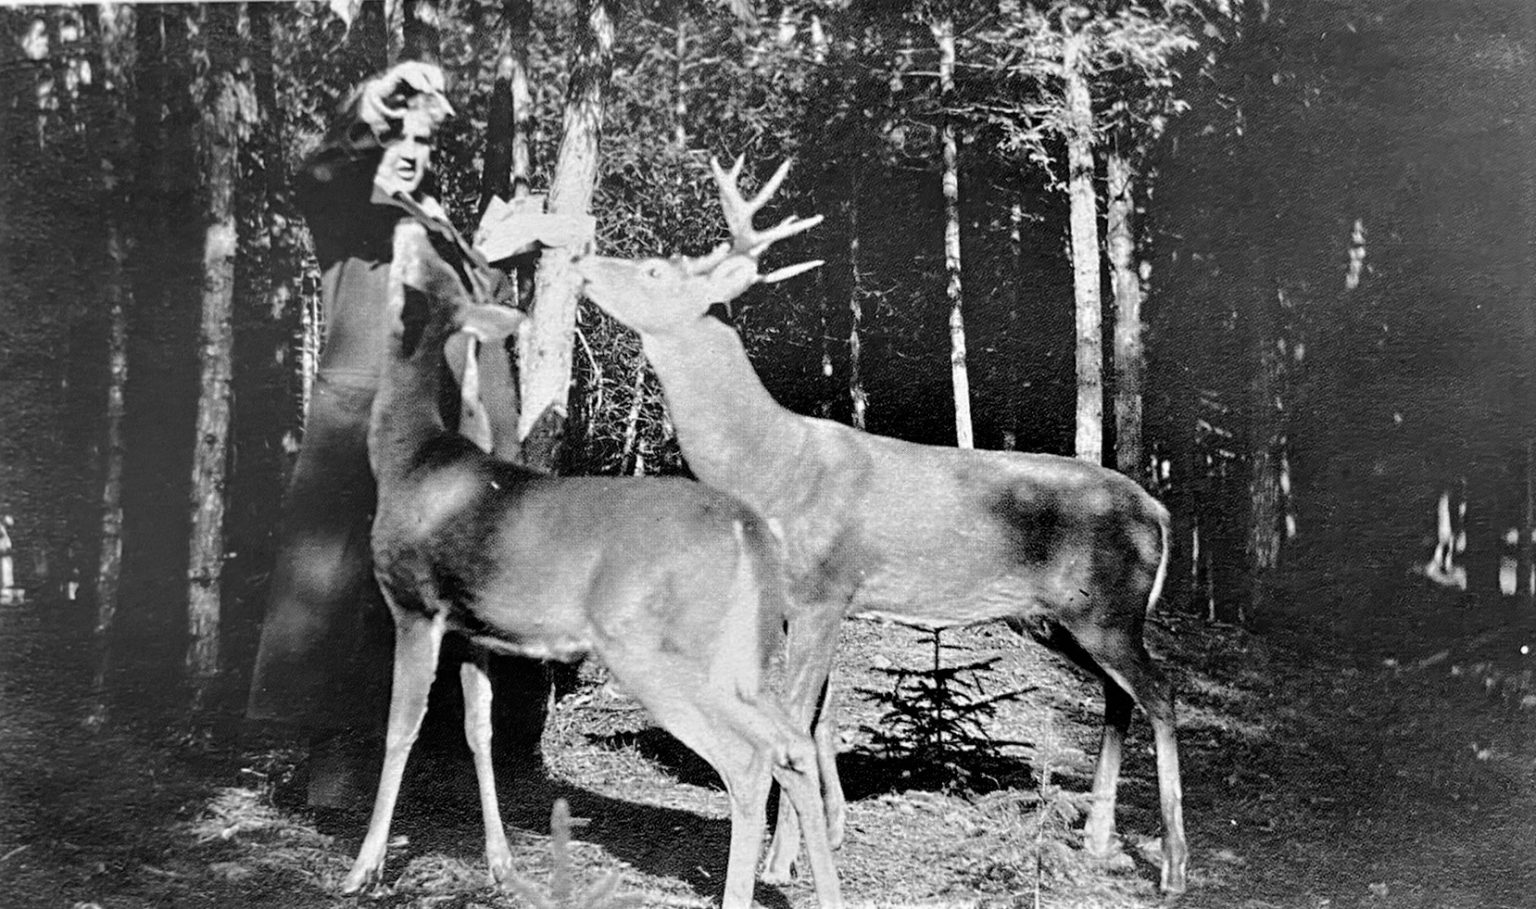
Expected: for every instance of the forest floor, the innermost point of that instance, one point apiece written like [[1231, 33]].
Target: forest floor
[[1374, 746]]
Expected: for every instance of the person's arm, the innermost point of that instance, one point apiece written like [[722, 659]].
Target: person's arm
[[334, 184]]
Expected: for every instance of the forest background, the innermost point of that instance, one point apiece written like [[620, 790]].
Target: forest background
[[1305, 271]]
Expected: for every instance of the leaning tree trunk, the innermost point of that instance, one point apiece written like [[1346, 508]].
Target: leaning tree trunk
[[545, 354], [116, 22], [944, 33], [1089, 443], [218, 143], [1130, 362]]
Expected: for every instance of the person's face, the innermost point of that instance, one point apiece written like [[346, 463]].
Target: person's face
[[408, 156]]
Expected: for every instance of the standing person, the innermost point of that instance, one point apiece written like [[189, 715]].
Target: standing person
[[324, 661]]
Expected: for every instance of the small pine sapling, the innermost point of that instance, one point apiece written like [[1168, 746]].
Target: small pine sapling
[[935, 722]]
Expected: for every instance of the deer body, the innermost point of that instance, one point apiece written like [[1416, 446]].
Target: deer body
[[677, 588], [928, 536], [1068, 552]]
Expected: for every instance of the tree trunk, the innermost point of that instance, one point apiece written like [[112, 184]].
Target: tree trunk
[[856, 393], [419, 35], [1011, 352], [944, 34], [1263, 463], [1129, 356], [545, 356], [218, 143], [116, 22], [507, 164], [1523, 555], [368, 40], [1089, 443]]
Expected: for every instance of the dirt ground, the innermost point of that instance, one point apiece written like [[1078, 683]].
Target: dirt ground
[[1374, 749]]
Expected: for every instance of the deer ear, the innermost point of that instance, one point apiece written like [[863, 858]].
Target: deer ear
[[492, 323]]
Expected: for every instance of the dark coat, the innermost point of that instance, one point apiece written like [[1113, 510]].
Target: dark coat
[[324, 658]]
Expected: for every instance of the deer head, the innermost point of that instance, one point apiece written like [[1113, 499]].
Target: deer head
[[649, 295], [432, 318]]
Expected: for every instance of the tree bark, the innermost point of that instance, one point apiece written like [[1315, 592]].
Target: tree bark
[[1011, 351], [1525, 585], [1130, 364], [1089, 444], [944, 33], [1263, 462], [420, 38], [856, 392], [218, 143], [545, 354], [116, 23], [368, 44], [507, 162]]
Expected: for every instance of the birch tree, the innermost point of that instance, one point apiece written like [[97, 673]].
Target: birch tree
[[1084, 219], [943, 27]]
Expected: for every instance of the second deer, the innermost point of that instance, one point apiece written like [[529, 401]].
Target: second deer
[[1068, 552], [677, 588]]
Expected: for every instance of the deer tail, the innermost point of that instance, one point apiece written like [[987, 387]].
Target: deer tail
[[1165, 525]]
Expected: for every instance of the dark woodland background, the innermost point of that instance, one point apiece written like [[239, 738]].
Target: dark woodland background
[[1333, 223]]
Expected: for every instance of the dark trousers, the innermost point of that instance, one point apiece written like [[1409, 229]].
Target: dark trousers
[[324, 662]]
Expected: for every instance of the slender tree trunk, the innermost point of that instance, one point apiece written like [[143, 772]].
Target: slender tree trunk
[[944, 33], [679, 83], [1129, 357], [1011, 347], [639, 364], [1085, 251], [1523, 558], [115, 22], [368, 46], [1185, 484], [856, 392], [420, 38], [507, 164], [632, 420], [218, 145], [545, 356], [1263, 463], [520, 14]]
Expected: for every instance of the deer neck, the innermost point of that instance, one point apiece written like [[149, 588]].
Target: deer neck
[[734, 435], [405, 415]]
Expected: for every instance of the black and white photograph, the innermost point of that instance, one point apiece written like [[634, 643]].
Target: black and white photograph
[[592, 454]]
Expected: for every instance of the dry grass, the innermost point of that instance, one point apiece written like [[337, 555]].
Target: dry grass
[[656, 817]]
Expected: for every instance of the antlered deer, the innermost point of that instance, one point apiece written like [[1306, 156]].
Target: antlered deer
[[1071, 553], [677, 588]]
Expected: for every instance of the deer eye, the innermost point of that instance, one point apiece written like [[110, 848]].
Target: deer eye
[[654, 270]]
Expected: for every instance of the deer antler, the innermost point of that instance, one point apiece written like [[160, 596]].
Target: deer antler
[[747, 240]]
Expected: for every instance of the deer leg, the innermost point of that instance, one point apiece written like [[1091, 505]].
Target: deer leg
[[418, 638], [797, 777], [477, 731], [1099, 830], [1136, 677], [781, 748], [808, 696]]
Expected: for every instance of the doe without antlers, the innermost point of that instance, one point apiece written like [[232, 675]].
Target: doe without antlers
[[679, 589]]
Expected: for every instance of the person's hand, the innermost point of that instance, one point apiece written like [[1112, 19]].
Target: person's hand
[[412, 83]]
